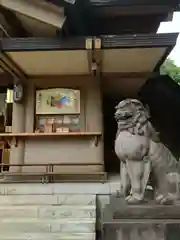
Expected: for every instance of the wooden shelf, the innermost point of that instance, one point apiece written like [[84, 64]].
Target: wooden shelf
[[50, 134], [17, 136]]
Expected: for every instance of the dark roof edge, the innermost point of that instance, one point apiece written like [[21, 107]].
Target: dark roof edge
[[42, 44], [140, 40], [103, 3], [108, 42]]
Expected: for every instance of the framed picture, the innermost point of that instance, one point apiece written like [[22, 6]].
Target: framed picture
[[57, 101]]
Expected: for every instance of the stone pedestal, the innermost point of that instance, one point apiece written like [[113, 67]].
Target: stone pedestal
[[144, 231], [140, 222]]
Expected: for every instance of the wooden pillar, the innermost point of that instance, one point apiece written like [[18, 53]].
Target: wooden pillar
[[94, 116], [18, 126], [94, 109], [30, 108]]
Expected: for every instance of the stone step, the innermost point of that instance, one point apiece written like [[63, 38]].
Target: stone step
[[68, 199], [53, 189], [49, 236], [34, 225], [32, 211]]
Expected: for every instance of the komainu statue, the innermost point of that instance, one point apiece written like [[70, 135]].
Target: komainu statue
[[142, 155]]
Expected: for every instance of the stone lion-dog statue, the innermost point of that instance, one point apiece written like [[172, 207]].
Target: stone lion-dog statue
[[141, 155]]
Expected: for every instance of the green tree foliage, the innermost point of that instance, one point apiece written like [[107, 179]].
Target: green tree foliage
[[170, 68]]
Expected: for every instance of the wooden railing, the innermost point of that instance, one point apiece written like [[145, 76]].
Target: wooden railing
[[49, 175]]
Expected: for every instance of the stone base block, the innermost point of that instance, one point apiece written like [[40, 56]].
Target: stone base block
[[140, 222]]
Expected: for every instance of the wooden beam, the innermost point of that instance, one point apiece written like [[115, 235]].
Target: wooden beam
[[12, 24], [5, 79], [105, 75], [9, 66], [5, 28], [42, 11], [131, 75]]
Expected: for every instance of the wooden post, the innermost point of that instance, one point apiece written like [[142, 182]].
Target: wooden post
[[18, 126]]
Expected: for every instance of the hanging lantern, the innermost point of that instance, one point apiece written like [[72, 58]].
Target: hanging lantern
[[18, 93]]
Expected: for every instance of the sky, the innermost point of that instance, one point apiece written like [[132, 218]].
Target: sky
[[173, 26]]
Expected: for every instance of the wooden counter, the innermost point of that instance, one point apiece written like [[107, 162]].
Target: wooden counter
[[17, 136], [50, 134]]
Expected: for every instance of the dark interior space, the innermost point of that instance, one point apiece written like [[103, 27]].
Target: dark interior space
[[111, 161], [9, 109], [162, 95], [1, 156]]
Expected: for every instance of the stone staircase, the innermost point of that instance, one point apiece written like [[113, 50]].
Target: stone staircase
[[46, 216]]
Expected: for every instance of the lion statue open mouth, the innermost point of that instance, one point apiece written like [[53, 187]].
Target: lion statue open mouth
[[140, 151]]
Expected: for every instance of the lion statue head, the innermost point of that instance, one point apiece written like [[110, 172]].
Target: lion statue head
[[131, 113]]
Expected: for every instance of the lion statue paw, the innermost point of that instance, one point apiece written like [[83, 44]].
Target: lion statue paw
[[134, 199], [165, 199]]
